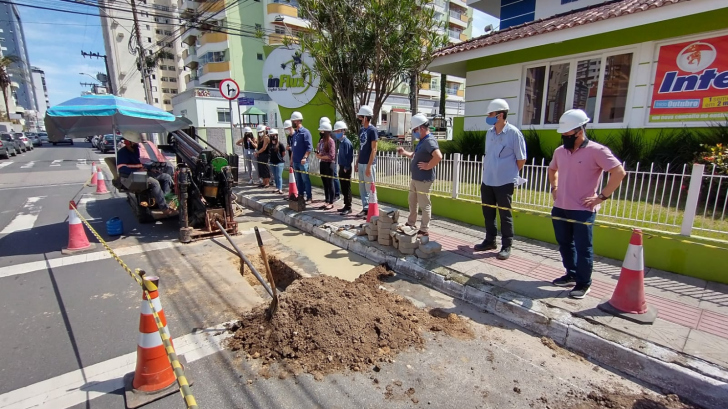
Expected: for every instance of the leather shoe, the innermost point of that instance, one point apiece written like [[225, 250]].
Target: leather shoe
[[504, 253], [485, 246], [344, 212]]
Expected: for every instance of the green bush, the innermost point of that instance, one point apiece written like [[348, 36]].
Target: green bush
[[386, 146], [534, 150], [470, 143]]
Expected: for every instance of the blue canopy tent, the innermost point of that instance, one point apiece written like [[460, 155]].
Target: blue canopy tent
[[102, 114]]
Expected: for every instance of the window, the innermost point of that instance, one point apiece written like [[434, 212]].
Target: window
[[149, 39], [154, 77], [147, 27], [158, 31], [598, 84], [154, 88], [280, 30], [156, 100], [173, 91], [260, 57], [165, 90], [434, 83], [223, 115], [167, 102], [568, 1]]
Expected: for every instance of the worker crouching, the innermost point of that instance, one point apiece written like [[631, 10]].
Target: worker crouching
[[128, 161]]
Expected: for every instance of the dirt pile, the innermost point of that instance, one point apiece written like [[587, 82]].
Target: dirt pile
[[616, 400], [325, 324]]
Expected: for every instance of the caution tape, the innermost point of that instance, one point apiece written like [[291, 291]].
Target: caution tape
[[147, 286], [618, 227]]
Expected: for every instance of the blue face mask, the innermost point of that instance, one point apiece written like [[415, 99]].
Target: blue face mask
[[416, 135], [491, 120], [338, 135]]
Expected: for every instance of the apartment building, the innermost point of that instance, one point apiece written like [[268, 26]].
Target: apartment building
[[12, 43], [41, 94], [160, 28]]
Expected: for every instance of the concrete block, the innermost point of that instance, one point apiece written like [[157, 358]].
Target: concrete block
[[384, 240], [395, 244], [408, 245], [376, 255], [372, 237], [346, 234], [337, 240], [424, 239], [430, 247], [359, 246], [373, 220], [405, 250], [407, 239], [320, 233], [419, 253]]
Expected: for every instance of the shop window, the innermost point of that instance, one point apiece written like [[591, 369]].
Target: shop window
[[599, 85], [614, 91], [223, 115]]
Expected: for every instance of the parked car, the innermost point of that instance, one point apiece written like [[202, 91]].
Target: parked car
[[26, 142], [7, 149], [66, 139], [15, 146], [35, 139], [43, 137], [106, 144], [17, 137], [95, 141]]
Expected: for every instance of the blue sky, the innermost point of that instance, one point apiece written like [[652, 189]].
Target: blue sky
[[55, 41], [480, 20]]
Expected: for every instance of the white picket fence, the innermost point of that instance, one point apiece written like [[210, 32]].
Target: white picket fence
[[684, 200]]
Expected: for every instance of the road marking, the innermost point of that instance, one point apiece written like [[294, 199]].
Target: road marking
[[81, 164], [86, 200], [41, 186], [57, 162], [2, 165], [28, 165], [25, 219], [71, 389], [25, 268]]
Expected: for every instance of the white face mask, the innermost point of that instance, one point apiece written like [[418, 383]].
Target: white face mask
[[287, 131]]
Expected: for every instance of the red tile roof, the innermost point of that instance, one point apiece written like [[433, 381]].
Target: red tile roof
[[563, 21]]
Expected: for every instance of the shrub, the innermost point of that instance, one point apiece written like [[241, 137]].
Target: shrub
[[386, 146], [470, 143], [714, 156], [534, 150]]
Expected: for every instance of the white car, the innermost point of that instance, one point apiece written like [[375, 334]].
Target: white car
[[95, 141]]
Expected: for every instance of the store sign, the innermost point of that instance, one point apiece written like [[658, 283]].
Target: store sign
[[691, 83], [289, 77]]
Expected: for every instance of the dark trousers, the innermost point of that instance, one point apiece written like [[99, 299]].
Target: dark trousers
[[159, 185], [500, 196], [575, 242], [327, 177], [346, 185]]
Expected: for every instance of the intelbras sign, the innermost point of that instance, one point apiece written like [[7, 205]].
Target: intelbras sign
[[289, 78]]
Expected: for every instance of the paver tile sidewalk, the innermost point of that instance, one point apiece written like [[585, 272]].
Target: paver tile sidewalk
[[692, 313]]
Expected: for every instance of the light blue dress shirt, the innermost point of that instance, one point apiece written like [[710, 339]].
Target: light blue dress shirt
[[501, 153]]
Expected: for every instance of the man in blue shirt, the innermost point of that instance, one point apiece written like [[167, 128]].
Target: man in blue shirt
[[345, 159], [505, 155], [302, 147], [367, 163]]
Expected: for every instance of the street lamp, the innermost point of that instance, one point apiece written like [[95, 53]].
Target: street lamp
[[83, 73]]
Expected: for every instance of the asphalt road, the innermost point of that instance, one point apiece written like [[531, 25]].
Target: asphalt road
[[70, 323]]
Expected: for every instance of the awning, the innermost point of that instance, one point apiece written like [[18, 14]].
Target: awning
[[253, 111]]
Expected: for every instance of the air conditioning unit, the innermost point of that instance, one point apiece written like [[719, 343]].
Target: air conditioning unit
[[120, 36]]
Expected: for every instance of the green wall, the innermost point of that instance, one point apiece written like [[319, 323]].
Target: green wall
[[245, 68], [663, 251], [697, 23], [312, 112]]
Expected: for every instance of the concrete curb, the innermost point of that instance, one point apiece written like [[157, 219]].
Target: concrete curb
[[701, 382]]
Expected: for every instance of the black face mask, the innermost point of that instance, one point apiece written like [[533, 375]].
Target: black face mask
[[569, 141], [361, 121]]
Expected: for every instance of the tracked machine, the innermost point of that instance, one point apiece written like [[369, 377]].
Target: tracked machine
[[204, 180]]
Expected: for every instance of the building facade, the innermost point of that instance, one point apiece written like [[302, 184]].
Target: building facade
[[12, 43], [159, 25], [642, 64], [41, 91]]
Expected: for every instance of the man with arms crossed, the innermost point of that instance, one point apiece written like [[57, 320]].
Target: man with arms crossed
[[574, 175]]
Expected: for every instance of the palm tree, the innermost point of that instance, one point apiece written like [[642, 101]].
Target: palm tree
[[5, 81]]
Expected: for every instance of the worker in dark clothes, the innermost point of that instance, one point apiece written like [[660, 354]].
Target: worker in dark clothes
[[128, 161], [345, 159]]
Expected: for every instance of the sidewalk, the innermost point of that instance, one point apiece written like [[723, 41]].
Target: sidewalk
[[692, 313]]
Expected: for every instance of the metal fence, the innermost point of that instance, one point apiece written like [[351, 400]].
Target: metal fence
[[680, 199]]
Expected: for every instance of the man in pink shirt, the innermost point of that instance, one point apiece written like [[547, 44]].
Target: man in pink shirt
[[574, 175]]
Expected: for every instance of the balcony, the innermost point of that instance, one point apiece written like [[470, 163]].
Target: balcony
[[454, 35], [460, 3], [214, 72], [458, 19], [212, 6], [463, 37], [191, 80], [189, 56], [209, 38], [212, 42], [283, 8], [286, 20], [278, 39], [189, 37]]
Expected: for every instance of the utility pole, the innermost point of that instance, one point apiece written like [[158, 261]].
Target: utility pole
[[140, 53], [106, 63]]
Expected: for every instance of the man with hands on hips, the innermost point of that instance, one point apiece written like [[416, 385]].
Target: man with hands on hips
[[302, 146], [574, 174]]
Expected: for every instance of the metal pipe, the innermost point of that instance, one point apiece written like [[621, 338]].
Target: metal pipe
[[245, 259]]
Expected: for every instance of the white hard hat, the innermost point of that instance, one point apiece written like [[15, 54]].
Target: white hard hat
[[296, 116], [132, 136], [261, 128], [418, 120], [324, 119], [247, 130], [497, 105], [272, 131], [340, 125], [572, 119], [326, 126], [365, 111], [287, 124]]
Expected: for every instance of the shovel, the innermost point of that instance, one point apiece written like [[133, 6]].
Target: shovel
[[273, 304]]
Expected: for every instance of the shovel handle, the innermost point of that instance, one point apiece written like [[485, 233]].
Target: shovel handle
[[264, 256]]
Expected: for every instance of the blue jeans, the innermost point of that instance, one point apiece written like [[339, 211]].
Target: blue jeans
[[575, 242], [303, 182], [277, 171], [365, 189]]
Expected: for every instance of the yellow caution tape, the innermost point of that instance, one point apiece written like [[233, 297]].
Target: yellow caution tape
[[147, 286], [533, 212]]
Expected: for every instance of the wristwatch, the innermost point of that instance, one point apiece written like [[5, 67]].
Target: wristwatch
[[602, 197]]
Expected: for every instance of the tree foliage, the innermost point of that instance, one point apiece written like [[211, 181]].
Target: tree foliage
[[365, 49], [6, 70]]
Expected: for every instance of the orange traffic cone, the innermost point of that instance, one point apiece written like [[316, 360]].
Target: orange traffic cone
[[373, 209], [628, 299], [100, 183], [94, 174], [292, 191], [153, 377], [77, 240]]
